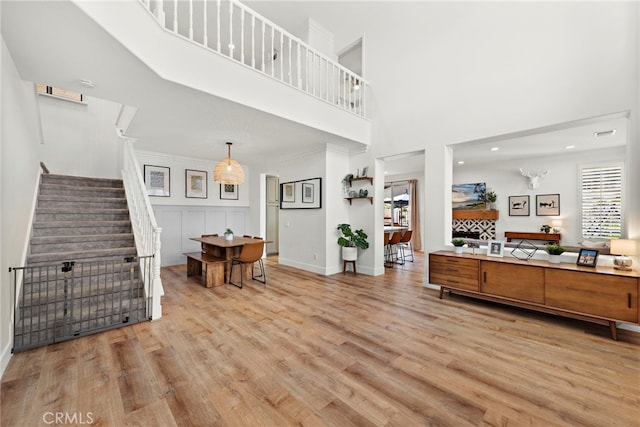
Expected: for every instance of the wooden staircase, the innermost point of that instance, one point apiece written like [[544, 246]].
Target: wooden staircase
[[82, 274]]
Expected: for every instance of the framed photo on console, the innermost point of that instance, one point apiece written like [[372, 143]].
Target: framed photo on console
[[588, 257], [495, 248]]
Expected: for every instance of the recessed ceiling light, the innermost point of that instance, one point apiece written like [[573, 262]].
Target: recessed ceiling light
[[604, 133], [386, 172], [461, 162], [495, 148], [87, 83], [569, 147]]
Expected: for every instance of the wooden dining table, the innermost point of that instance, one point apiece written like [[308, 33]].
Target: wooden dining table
[[221, 247]]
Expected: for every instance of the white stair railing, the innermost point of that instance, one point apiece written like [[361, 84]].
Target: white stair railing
[[145, 229], [231, 29]]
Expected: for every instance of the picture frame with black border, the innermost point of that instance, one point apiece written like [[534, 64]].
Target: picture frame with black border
[[307, 192], [195, 183], [157, 180], [229, 191], [288, 192], [519, 205], [301, 194], [587, 257], [495, 248], [547, 204]]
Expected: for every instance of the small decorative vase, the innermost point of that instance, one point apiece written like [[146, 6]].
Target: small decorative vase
[[554, 259], [228, 236], [458, 249]]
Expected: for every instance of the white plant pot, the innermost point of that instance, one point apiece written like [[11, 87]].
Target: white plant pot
[[228, 236], [459, 249], [349, 253], [554, 259]]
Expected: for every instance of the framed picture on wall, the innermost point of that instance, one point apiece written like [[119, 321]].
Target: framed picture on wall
[[195, 184], [288, 192], [229, 191], [518, 205], [157, 179], [547, 204], [307, 192]]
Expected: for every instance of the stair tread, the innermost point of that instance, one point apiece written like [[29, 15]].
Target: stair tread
[[44, 224], [82, 210], [82, 238], [79, 255]]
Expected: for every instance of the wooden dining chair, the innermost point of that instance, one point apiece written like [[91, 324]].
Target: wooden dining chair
[[387, 237], [250, 253]]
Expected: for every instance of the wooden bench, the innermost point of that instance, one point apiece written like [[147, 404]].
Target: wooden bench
[[215, 267]]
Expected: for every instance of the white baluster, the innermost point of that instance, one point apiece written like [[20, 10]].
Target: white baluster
[[175, 16], [231, 46], [204, 22], [290, 74], [273, 62], [253, 41], [299, 65], [218, 26], [281, 55], [262, 54], [190, 19], [242, 35]]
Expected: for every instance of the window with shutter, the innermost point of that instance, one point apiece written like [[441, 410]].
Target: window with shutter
[[602, 201]]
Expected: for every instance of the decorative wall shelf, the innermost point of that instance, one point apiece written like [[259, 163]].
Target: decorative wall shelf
[[361, 178], [476, 214], [363, 197], [356, 179]]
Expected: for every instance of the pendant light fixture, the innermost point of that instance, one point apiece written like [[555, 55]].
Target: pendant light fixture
[[228, 171]]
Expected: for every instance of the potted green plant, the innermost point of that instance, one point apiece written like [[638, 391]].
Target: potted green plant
[[490, 198], [350, 241], [458, 243], [545, 228], [228, 234], [554, 250], [346, 183]]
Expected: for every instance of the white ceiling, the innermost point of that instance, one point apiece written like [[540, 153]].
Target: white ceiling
[[55, 43]]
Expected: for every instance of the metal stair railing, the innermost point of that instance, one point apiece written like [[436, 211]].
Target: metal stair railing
[[65, 300]]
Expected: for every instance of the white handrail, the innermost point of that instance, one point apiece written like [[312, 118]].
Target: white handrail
[[145, 229], [299, 66]]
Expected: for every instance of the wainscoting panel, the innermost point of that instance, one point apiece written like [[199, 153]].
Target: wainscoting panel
[[215, 222], [179, 223]]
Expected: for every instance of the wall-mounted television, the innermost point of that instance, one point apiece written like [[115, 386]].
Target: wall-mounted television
[[469, 196]]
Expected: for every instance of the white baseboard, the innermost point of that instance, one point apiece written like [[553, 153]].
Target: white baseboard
[[5, 357]]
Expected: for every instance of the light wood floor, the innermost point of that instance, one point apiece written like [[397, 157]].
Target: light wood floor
[[330, 351]]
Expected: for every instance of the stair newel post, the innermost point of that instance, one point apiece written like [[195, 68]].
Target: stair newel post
[[157, 292]]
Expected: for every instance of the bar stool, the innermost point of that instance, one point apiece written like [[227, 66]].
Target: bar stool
[[405, 243], [387, 236], [395, 239]]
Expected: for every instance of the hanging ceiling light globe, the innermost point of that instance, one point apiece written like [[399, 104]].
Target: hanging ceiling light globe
[[228, 171]]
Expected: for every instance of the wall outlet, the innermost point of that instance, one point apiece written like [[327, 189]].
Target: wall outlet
[[315, 256]]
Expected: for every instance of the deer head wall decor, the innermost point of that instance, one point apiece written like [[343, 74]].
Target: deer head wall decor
[[534, 179]]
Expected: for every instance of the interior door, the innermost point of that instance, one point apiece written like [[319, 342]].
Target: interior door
[[273, 211]]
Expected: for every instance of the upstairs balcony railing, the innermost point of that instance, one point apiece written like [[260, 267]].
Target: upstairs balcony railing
[[231, 29]]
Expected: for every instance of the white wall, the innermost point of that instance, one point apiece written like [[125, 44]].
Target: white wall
[[506, 180], [303, 232], [181, 217], [18, 178], [80, 140]]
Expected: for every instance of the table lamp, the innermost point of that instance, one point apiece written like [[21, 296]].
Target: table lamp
[[622, 248]]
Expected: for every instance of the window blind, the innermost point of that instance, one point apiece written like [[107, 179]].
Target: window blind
[[602, 202]]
